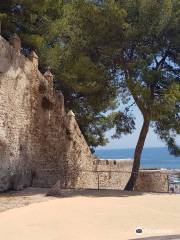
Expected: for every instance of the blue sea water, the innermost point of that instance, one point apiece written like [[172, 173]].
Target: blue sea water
[[151, 157]]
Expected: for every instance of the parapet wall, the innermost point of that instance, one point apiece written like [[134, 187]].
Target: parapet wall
[[153, 181], [114, 174], [106, 174]]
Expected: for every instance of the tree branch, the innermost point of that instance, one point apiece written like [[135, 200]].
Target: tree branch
[[161, 62]]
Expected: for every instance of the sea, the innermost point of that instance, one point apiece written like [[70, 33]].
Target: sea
[[151, 157]]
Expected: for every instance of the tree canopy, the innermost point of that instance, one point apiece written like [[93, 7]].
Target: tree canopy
[[149, 61], [71, 49]]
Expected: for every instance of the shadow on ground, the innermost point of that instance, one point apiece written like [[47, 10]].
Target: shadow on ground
[[14, 199], [96, 193], [30, 191], [70, 193], [169, 237]]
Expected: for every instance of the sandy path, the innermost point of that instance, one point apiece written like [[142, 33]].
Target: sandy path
[[15, 199], [103, 215]]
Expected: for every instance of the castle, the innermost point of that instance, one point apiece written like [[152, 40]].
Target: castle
[[40, 143]]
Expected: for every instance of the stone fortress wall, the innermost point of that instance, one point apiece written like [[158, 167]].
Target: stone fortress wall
[[40, 143]]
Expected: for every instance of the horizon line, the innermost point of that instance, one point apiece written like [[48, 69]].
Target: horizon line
[[102, 148]]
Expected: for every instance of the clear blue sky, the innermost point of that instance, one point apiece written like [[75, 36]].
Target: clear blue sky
[[129, 141]]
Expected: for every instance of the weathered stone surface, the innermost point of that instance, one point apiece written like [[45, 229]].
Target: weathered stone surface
[[5, 182], [152, 181], [14, 181], [55, 190], [15, 41], [34, 58], [36, 135], [105, 174]]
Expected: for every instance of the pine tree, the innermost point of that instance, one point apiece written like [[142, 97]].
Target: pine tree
[[66, 36], [149, 63]]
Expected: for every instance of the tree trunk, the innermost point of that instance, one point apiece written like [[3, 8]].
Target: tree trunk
[[137, 156]]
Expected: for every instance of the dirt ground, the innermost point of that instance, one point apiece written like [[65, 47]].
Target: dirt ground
[[89, 215], [16, 199]]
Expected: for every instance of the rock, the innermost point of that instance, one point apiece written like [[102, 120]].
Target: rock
[[55, 190]]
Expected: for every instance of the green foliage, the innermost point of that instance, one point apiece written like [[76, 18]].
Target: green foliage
[[168, 127], [123, 121], [82, 59], [2, 16], [66, 36], [149, 62]]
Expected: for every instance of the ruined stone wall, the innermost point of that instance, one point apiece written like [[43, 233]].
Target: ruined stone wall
[[39, 142], [14, 117]]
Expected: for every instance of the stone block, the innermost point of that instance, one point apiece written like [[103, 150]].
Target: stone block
[[55, 190]]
